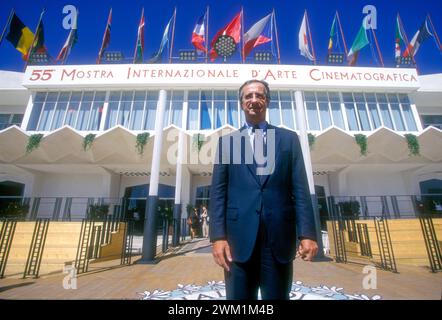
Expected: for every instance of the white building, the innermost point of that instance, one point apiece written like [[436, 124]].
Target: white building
[[117, 102]]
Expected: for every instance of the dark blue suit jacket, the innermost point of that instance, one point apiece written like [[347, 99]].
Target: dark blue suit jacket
[[238, 196]]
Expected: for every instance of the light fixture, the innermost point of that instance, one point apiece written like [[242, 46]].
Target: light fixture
[[263, 56], [38, 58], [113, 56], [187, 55], [225, 46], [335, 58]]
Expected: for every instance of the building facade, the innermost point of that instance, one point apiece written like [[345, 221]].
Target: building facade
[[92, 119]]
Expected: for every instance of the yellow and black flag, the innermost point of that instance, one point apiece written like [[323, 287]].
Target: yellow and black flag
[[20, 35]]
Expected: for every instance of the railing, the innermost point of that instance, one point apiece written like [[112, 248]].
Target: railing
[[388, 206]]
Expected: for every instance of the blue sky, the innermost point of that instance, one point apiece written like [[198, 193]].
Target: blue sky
[[126, 14]]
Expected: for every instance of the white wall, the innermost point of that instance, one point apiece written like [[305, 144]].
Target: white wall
[[70, 185], [370, 181]]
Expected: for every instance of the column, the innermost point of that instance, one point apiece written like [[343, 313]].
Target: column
[[303, 137], [150, 232]]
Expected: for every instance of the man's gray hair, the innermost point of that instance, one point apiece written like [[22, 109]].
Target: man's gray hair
[[265, 84]]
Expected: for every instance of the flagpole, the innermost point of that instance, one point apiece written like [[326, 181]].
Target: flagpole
[[138, 30], [310, 37], [406, 40], [242, 35], [207, 33], [173, 34], [104, 36], [70, 44], [29, 53], [377, 47], [435, 33], [7, 24], [342, 33], [276, 35]]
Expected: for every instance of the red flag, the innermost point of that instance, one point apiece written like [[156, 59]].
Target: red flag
[[106, 37], [233, 29]]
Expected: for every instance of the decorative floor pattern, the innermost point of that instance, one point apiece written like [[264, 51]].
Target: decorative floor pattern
[[215, 290]]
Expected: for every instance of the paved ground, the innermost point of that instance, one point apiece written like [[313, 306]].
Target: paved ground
[[191, 266]]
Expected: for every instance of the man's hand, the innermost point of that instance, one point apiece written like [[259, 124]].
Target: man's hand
[[221, 254], [307, 249]]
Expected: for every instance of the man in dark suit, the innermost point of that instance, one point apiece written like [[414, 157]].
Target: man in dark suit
[[260, 203]]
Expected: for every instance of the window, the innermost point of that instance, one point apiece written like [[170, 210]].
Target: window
[[408, 114], [219, 108], [125, 108], [72, 109], [60, 110], [286, 109], [432, 120], [206, 110], [335, 104], [324, 111], [395, 110], [192, 117], [312, 113], [385, 112], [362, 111], [350, 111], [232, 108], [114, 102], [136, 120], [274, 115], [97, 110], [8, 119], [373, 110], [176, 108], [151, 110]]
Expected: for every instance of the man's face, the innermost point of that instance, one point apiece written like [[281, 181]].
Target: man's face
[[254, 103]]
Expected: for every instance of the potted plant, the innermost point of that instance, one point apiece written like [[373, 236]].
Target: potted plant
[[98, 211], [349, 209], [15, 210]]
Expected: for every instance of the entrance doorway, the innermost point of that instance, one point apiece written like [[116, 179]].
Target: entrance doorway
[[322, 206], [10, 191]]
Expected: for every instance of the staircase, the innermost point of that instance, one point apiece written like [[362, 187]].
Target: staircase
[[36, 249], [84, 246], [6, 236], [339, 241], [431, 243], [385, 246]]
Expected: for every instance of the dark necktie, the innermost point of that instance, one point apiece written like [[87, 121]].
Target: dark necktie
[[259, 151]]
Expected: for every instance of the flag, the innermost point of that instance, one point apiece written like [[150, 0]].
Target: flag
[[399, 38], [254, 37], [20, 36], [38, 45], [303, 40], [360, 42], [198, 34], [156, 58], [70, 41], [139, 46], [233, 29], [106, 37], [332, 35], [421, 35]]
